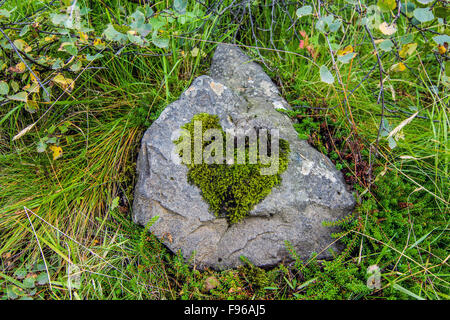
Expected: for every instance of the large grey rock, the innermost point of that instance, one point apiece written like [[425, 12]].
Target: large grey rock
[[312, 190]]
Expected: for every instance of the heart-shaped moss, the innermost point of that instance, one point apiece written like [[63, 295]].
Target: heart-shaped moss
[[231, 190]]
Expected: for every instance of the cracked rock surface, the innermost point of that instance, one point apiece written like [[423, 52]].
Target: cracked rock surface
[[312, 190]]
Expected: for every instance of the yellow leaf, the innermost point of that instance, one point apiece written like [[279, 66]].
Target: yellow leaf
[[18, 68], [83, 37], [61, 47], [343, 52], [442, 49], [31, 106], [407, 49], [22, 45], [49, 38], [63, 82], [33, 78], [57, 152], [98, 43], [387, 29], [399, 67], [32, 87]]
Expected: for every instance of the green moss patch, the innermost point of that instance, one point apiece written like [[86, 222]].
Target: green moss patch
[[232, 190]]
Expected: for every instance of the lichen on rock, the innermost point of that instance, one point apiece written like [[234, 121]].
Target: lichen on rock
[[231, 190]]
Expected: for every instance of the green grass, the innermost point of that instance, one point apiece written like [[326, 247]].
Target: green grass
[[79, 206]]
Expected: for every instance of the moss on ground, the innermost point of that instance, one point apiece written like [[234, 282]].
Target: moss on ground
[[231, 190]]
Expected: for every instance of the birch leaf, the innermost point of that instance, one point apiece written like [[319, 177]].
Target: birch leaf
[[304, 11], [423, 14], [407, 50], [346, 50], [21, 96], [387, 29], [57, 152], [398, 67], [22, 45], [325, 75], [4, 88], [64, 82]]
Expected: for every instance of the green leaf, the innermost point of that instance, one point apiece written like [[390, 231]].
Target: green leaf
[[76, 66], [387, 5], [335, 25], [442, 39], [138, 18], [51, 140], [148, 11], [406, 39], [70, 48], [135, 39], [28, 283], [40, 266], [386, 45], [14, 85], [346, 58], [113, 35], [392, 143], [328, 19], [4, 88], [180, 6], [57, 64], [156, 23], [24, 30], [408, 9], [304, 11], [160, 42], [13, 292], [325, 75], [139, 24], [385, 128], [320, 25], [93, 57], [5, 13], [21, 96], [145, 29], [41, 146], [425, 1], [20, 273], [441, 12], [423, 14], [59, 19], [42, 278]]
